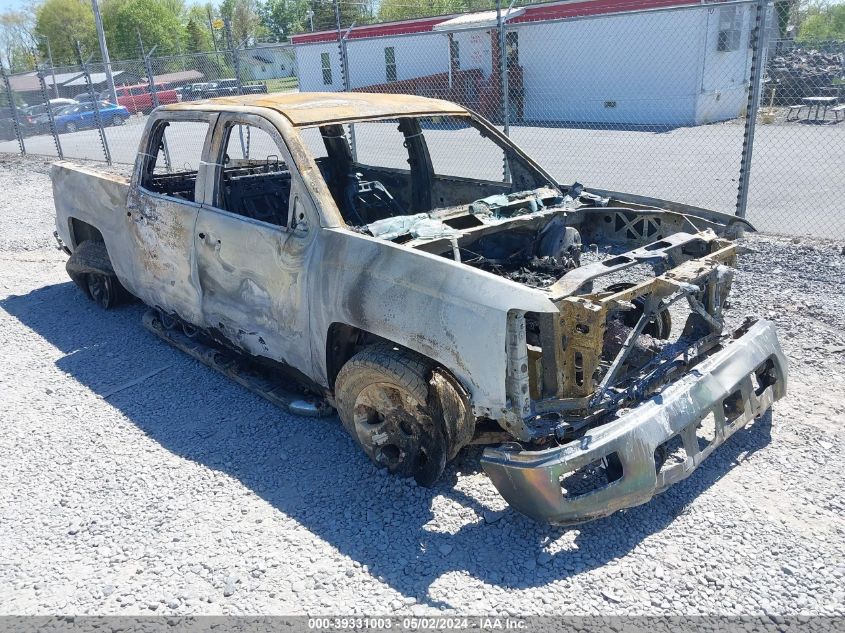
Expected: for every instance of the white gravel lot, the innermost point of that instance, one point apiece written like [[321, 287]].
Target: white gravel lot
[[186, 494]]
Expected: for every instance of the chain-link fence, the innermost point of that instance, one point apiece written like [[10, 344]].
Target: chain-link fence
[[638, 97], [77, 116], [798, 170]]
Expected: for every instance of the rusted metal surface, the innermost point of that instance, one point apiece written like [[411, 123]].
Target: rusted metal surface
[[317, 108], [521, 346], [531, 480], [264, 384]]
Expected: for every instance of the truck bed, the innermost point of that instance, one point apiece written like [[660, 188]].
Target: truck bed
[[86, 195]]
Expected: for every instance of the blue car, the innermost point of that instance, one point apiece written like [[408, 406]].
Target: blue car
[[81, 115]]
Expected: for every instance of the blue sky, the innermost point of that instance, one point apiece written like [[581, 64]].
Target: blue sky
[[5, 5]]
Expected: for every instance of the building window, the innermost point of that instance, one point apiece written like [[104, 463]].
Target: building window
[[730, 27], [512, 47], [455, 53], [327, 69], [390, 63]]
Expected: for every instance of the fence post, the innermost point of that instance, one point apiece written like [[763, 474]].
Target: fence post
[[236, 62], [97, 118], [11, 97], [52, 68], [148, 69], [758, 43], [230, 43], [344, 70], [503, 67], [50, 118]]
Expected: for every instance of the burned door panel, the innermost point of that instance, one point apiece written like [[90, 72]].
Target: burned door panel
[[252, 286], [162, 230]]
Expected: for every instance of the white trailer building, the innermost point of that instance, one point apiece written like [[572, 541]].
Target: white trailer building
[[653, 62]]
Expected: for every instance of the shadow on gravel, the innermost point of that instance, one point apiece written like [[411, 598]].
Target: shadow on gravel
[[311, 471]]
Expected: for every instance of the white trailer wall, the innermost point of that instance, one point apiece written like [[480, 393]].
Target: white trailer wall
[[725, 75], [416, 56], [658, 67], [475, 50], [310, 68], [625, 69]]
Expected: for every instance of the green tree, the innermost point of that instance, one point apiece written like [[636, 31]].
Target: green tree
[[64, 22], [351, 12], [158, 21], [282, 18], [244, 19], [197, 34], [407, 9], [825, 23]]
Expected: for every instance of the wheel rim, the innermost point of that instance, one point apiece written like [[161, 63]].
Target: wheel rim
[[117, 120], [71, 127], [390, 425], [101, 289]]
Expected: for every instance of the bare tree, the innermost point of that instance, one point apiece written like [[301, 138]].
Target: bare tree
[[17, 40]]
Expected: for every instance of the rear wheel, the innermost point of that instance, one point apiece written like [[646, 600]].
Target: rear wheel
[[104, 290], [382, 398]]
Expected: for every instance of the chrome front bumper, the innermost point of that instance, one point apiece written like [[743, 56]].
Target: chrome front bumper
[[723, 384]]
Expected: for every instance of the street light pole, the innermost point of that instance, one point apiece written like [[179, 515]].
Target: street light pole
[[104, 50]]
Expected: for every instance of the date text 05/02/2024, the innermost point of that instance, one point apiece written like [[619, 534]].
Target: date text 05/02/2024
[[445, 623]]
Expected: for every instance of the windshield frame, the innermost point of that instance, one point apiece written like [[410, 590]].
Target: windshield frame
[[515, 155]]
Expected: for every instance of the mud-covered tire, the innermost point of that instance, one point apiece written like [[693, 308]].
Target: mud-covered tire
[[382, 396]]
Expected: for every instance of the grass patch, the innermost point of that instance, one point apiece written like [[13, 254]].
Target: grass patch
[[285, 84]]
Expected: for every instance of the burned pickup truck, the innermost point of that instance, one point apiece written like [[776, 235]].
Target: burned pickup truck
[[402, 261]]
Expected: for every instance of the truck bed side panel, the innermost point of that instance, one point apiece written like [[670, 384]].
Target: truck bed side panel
[[98, 199]]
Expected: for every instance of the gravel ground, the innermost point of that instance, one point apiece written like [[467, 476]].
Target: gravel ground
[[183, 493]]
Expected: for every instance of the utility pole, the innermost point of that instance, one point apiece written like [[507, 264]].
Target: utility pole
[[104, 50], [211, 28]]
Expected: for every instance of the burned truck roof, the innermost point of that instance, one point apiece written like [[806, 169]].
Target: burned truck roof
[[317, 108]]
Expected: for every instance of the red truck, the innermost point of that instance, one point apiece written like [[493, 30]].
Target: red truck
[[138, 98]]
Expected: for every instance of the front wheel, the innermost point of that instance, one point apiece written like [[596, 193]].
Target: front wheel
[[382, 396], [71, 127], [117, 120]]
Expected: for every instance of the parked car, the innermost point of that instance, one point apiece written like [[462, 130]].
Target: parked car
[[229, 87], [87, 97], [432, 307], [55, 104], [7, 122], [40, 116], [195, 91], [83, 115], [138, 98]]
